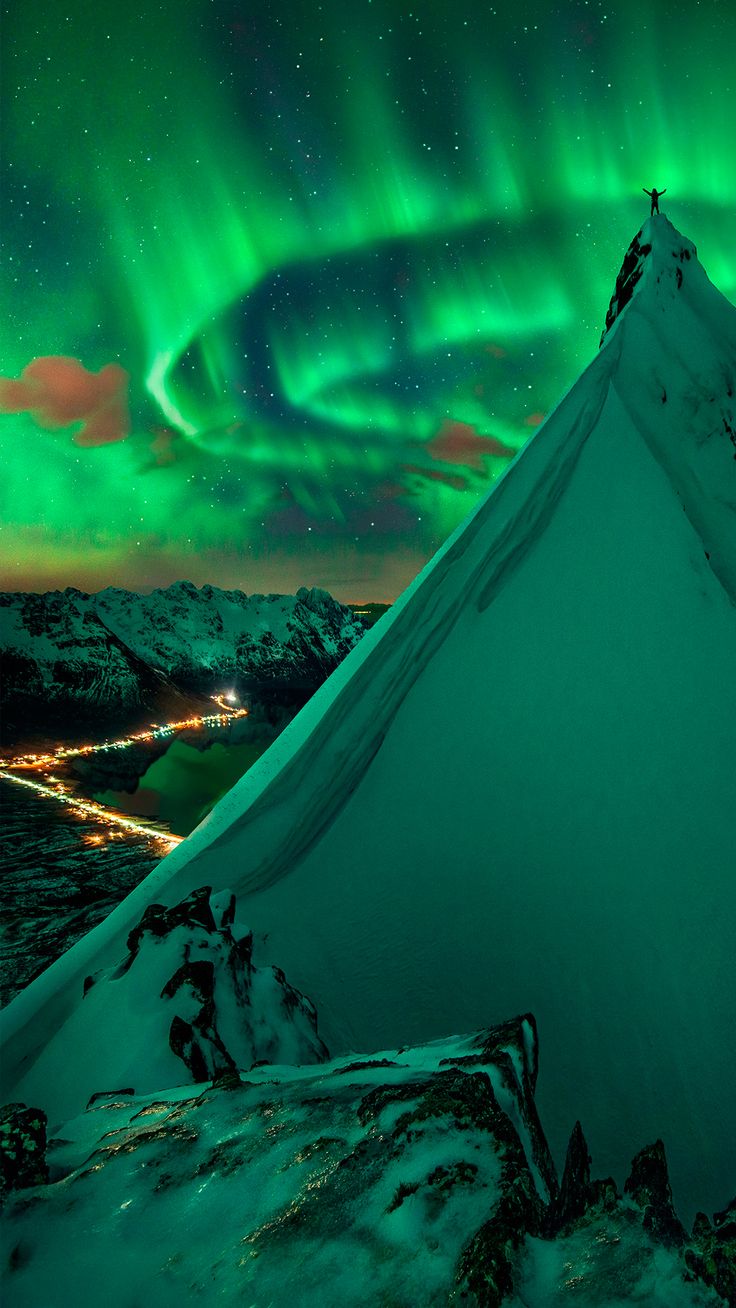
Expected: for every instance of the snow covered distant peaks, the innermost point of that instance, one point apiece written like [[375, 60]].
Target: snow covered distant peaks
[[69, 653]]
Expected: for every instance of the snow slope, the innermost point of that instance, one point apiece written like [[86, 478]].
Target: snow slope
[[517, 792]]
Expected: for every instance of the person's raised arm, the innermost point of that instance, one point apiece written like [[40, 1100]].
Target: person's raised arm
[[663, 192], [646, 192]]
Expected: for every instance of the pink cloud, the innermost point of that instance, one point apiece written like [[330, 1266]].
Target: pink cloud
[[460, 443], [453, 479], [391, 490], [58, 391], [162, 445]]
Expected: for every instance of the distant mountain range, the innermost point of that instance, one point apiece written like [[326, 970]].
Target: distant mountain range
[[67, 652]]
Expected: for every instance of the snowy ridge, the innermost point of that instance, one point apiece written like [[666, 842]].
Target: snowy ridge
[[196, 998], [289, 765], [418, 1175], [317, 1182], [686, 413], [516, 792]]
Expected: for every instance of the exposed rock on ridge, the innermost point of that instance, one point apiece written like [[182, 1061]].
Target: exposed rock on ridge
[[190, 990], [418, 1175]]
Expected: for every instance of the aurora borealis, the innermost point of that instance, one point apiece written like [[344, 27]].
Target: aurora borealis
[[324, 267]]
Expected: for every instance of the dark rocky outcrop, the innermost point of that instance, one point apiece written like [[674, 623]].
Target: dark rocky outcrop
[[485, 1272], [578, 1195], [192, 912], [631, 270], [192, 968], [648, 1185], [645, 1211], [711, 1256], [22, 1148]]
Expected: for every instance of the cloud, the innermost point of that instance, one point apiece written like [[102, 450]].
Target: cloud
[[162, 445], [58, 391], [391, 490], [459, 443], [454, 479]]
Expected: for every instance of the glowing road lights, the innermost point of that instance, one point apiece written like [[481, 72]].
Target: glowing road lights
[[231, 698], [117, 822], [88, 808], [156, 732]]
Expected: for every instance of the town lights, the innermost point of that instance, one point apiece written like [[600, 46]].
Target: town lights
[[62, 752], [89, 808]]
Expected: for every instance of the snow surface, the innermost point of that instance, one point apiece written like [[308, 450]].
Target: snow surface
[[392, 1181], [255, 1014], [283, 1190], [608, 1263], [517, 792]]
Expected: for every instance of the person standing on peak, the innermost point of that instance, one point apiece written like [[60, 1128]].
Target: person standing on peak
[[655, 194]]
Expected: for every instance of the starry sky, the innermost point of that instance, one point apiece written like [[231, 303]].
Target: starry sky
[[288, 283]]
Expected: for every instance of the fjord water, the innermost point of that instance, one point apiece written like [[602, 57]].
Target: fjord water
[[180, 788]]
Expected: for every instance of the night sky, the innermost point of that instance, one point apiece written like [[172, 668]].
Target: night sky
[[287, 284]]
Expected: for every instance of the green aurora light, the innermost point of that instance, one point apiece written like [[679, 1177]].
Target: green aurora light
[[347, 261]]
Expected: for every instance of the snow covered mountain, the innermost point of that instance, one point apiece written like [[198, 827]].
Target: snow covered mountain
[[517, 793], [55, 651], [416, 1176], [117, 650], [197, 635]]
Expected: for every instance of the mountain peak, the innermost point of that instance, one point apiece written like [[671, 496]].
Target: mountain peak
[[659, 254], [670, 357]]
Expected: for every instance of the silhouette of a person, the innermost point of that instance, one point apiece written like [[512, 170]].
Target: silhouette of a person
[[655, 194]]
